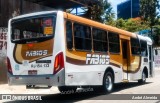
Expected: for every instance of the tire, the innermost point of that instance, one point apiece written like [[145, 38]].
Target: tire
[[28, 86], [70, 89], [143, 80], [49, 86], [108, 82]]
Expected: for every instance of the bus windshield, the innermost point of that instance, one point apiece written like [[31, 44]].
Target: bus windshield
[[35, 29]]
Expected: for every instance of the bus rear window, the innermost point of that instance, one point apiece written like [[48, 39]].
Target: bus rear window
[[31, 29]]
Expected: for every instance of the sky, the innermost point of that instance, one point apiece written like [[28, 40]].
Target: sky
[[114, 4]]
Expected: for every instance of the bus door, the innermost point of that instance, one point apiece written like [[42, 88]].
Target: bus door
[[125, 58]]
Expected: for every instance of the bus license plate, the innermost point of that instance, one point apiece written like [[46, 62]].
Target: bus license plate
[[32, 72]]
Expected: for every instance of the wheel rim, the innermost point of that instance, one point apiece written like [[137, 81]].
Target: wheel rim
[[108, 83]]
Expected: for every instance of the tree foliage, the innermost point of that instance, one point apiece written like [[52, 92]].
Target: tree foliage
[[101, 12], [148, 11], [132, 25], [156, 35], [149, 17]]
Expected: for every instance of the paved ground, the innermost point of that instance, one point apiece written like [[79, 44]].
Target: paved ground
[[151, 87], [22, 90]]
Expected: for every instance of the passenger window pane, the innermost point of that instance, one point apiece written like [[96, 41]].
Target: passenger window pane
[[99, 40], [144, 48], [156, 52], [69, 35], [113, 37], [82, 31], [82, 35], [33, 29], [135, 47], [135, 50], [114, 46], [82, 44]]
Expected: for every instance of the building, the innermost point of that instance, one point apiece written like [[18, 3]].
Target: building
[[12, 8], [128, 9]]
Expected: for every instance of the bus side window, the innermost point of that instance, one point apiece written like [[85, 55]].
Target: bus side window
[[135, 46], [100, 40], [144, 48], [114, 45], [82, 37], [69, 34], [156, 52]]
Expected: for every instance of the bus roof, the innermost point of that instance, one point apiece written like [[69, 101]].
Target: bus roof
[[98, 25], [145, 38], [35, 14], [87, 22], [105, 27]]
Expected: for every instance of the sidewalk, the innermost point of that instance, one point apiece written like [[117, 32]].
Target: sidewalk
[[6, 89]]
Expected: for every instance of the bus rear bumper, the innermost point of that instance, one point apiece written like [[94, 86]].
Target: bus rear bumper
[[48, 80]]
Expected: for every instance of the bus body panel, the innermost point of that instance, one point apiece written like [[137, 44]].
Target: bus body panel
[[76, 70], [44, 75], [89, 75], [79, 72], [144, 63]]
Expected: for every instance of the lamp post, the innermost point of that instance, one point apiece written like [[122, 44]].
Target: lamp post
[[131, 8]]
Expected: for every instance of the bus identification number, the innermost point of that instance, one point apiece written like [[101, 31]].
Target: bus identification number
[[39, 65], [37, 53], [97, 59]]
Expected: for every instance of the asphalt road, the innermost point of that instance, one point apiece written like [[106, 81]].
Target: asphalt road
[[151, 87]]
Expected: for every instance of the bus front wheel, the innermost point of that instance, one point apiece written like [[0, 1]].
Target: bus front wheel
[[143, 80]]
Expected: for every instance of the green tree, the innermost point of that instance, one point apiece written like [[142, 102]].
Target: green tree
[[148, 11], [156, 35], [108, 15], [101, 12], [120, 23], [132, 25]]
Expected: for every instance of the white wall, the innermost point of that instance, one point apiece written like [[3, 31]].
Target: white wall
[[157, 56], [3, 46]]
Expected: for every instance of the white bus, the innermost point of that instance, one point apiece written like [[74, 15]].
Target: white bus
[[55, 48]]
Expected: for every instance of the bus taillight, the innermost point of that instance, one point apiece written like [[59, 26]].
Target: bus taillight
[[9, 66], [59, 62]]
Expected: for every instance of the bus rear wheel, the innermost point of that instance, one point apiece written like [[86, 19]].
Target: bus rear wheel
[[67, 89], [108, 82]]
